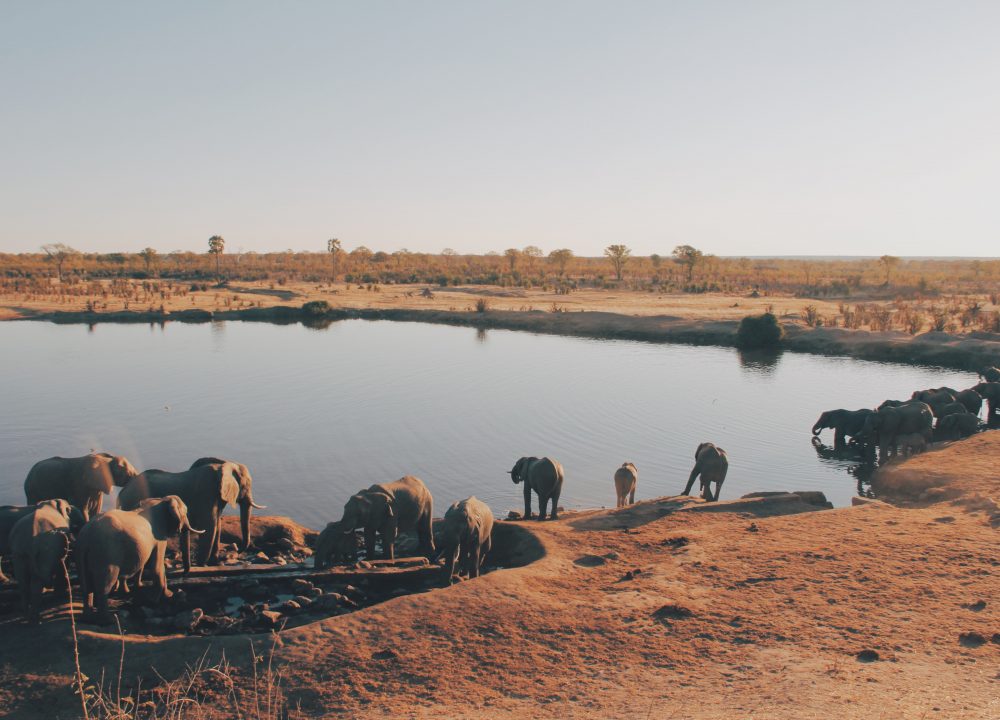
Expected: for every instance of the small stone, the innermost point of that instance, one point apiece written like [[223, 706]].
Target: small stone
[[188, 620], [285, 545], [867, 656], [971, 639], [302, 600], [270, 618], [513, 515], [280, 561], [300, 586], [261, 559], [385, 655], [315, 592]]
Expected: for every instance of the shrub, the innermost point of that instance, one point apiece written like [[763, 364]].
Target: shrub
[[482, 305], [316, 308], [759, 331]]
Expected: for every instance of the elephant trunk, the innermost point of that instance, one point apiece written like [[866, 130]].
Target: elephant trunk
[[245, 522], [816, 429], [186, 548]]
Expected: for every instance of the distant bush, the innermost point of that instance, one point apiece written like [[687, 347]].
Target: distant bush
[[482, 305], [316, 308], [759, 331]]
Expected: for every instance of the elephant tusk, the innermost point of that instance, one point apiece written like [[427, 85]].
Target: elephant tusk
[[196, 532], [257, 507]]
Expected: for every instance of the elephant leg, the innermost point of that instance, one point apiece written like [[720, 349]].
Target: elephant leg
[[160, 571], [206, 541], [690, 483], [425, 533], [631, 496], [543, 501], [3, 578], [474, 552], [838, 438], [554, 511], [449, 568], [527, 501], [389, 534], [484, 550], [370, 543]]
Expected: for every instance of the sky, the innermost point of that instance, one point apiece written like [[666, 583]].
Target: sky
[[843, 127]]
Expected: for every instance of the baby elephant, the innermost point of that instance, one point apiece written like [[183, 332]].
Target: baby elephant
[[466, 537], [334, 545], [912, 443], [39, 542], [626, 478], [545, 477], [712, 464], [120, 543]]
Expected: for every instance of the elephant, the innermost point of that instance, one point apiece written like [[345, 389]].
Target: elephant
[[936, 397], [334, 545], [845, 423], [912, 443], [9, 515], [466, 537], [39, 542], [626, 478], [989, 374], [545, 477], [80, 480], [712, 463], [971, 400], [206, 488], [888, 423], [956, 427], [120, 543], [990, 392], [955, 408], [387, 509]]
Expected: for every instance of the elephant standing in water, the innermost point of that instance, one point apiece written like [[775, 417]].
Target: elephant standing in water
[[990, 392], [39, 542], [712, 464], [971, 400], [989, 374], [80, 480], [388, 508], [206, 488], [888, 423], [466, 537], [626, 478], [956, 427], [936, 398], [844, 423], [545, 477], [119, 544]]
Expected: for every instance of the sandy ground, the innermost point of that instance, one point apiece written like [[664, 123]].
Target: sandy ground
[[667, 609], [709, 306]]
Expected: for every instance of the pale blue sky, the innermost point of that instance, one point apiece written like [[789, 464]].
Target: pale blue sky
[[840, 127]]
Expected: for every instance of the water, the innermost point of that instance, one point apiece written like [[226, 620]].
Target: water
[[319, 414]]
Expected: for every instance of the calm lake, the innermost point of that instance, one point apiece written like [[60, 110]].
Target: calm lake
[[319, 413]]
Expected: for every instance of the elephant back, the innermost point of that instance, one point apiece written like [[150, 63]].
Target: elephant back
[[151, 484], [545, 475]]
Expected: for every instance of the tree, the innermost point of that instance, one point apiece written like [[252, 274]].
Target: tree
[[531, 252], [148, 256], [688, 256], [59, 254], [217, 246], [333, 247], [619, 255], [656, 260], [560, 258], [361, 255], [512, 254], [448, 254], [888, 263]]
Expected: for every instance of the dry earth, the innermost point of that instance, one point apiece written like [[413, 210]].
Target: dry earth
[[758, 608]]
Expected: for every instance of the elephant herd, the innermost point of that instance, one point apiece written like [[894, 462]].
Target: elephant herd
[[63, 520], [910, 426]]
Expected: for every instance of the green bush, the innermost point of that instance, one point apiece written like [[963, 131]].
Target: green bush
[[759, 331], [316, 308]]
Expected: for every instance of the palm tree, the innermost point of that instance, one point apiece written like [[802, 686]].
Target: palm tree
[[217, 246], [333, 247]]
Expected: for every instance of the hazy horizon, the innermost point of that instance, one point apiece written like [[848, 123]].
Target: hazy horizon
[[766, 129]]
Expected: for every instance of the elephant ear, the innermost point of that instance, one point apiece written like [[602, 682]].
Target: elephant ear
[[381, 509], [242, 475], [229, 488], [122, 470], [701, 446], [96, 475]]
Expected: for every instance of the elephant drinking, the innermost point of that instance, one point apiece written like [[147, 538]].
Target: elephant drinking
[[389, 508]]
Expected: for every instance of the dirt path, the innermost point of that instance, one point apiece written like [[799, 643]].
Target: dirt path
[[759, 608]]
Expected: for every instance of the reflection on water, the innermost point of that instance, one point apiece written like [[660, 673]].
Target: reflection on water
[[317, 413], [762, 362], [858, 459]]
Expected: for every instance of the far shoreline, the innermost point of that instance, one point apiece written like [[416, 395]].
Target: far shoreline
[[962, 352]]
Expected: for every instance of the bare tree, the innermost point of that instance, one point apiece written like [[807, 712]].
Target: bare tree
[[59, 254], [619, 255], [217, 246], [531, 252], [148, 256], [689, 257], [888, 262], [560, 258], [333, 247], [512, 254]]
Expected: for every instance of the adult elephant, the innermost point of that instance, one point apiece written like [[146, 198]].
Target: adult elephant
[[990, 392], [989, 374], [39, 542], [387, 509], [626, 478], [971, 400], [334, 545], [120, 543], [956, 427], [205, 488], [81, 480], [844, 423], [887, 423], [9, 515], [544, 476], [955, 408], [466, 537], [936, 398], [712, 464]]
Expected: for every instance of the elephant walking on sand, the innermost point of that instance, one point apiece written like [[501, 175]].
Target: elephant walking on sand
[[79, 480], [206, 488], [545, 477], [712, 464], [626, 478], [39, 542], [466, 537], [120, 543], [389, 508]]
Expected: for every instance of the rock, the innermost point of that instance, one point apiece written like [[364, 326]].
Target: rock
[[590, 561], [753, 528], [867, 656], [971, 639], [187, 620], [363, 565], [305, 552], [513, 515], [612, 556], [315, 592], [261, 559], [329, 602], [288, 606], [858, 500], [280, 561], [302, 600], [385, 655], [270, 618], [672, 612], [301, 587], [284, 544], [977, 606]]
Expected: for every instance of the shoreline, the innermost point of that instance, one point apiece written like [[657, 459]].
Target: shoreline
[[963, 352]]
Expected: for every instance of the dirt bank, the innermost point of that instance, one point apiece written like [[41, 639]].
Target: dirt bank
[[757, 608]]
